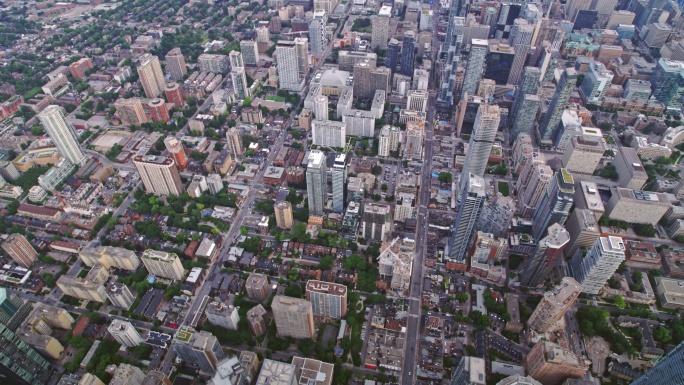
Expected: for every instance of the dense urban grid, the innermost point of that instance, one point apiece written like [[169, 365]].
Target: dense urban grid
[[331, 192]]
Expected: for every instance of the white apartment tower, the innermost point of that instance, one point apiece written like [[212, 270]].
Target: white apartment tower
[[592, 268], [151, 75], [481, 141], [163, 264], [234, 139], [288, 66], [316, 182], [159, 174], [339, 181], [124, 333], [62, 134], [239, 79], [472, 201]]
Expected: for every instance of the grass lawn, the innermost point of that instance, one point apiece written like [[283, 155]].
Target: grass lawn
[[276, 98], [503, 188], [32, 92]]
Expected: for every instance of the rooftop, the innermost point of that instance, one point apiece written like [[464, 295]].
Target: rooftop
[[327, 288]]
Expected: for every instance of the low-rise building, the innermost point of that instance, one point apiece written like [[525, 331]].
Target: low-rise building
[[670, 292], [636, 206]]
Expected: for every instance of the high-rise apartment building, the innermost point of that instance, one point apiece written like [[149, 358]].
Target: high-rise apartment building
[[551, 364], [19, 363], [293, 317], [110, 256], [554, 305], [528, 86], [158, 110], [214, 63], [62, 134], [199, 349], [20, 250], [316, 182], [380, 28], [583, 228], [174, 94], [584, 153], [596, 82], [257, 287], [636, 206], [481, 141], [339, 182], [328, 300], [392, 56], [289, 55], [630, 170], [375, 222], [163, 264], [470, 370], [175, 64], [90, 288], [130, 111], [234, 138], [556, 203], [532, 184], [574, 6], [527, 115], [408, 50], [452, 48], [476, 65], [239, 79], [283, 214], [250, 52], [120, 296], [176, 152], [327, 6], [124, 333], [668, 83], [159, 174], [235, 59], [559, 102], [320, 107], [223, 315], [549, 252], [125, 374], [593, 267], [317, 32], [472, 201], [669, 370], [521, 41], [79, 68], [151, 75]]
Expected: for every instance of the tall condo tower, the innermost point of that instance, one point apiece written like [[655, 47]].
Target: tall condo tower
[[556, 203], [151, 75], [62, 134], [475, 68], [549, 251], [472, 201], [316, 182], [564, 88], [481, 141]]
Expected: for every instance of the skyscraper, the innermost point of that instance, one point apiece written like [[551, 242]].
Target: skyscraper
[[293, 317], [239, 78], [176, 151], [130, 111], [339, 181], [175, 64], [200, 349], [250, 52], [452, 48], [328, 300], [668, 82], [316, 182], [288, 66], [595, 84], [551, 364], [235, 58], [554, 305], [408, 49], [9, 306], [564, 88], [380, 28], [584, 153], [556, 203], [476, 66], [234, 139], [669, 370], [376, 222], [159, 174], [124, 333], [472, 201], [62, 134], [19, 363], [549, 251], [151, 75], [526, 116], [20, 250], [392, 56], [583, 228], [529, 83], [317, 32], [521, 41], [481, 141], [531, 185], [592, 268]]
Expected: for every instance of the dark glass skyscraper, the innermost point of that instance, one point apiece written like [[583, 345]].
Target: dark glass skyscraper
[[670, 370], [19, 363], [392, 56], [408, 55]]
